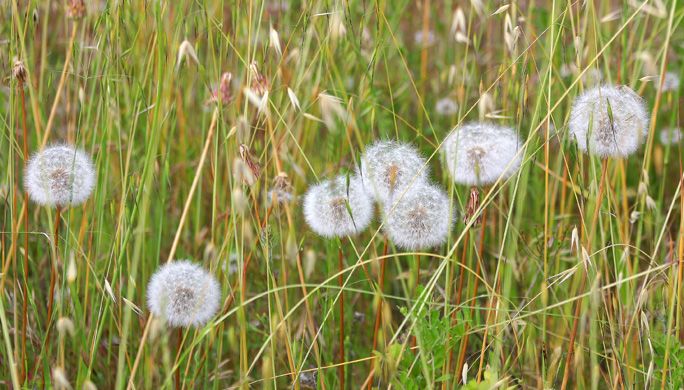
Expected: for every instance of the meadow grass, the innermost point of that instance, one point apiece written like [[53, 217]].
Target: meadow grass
[[566, 274]]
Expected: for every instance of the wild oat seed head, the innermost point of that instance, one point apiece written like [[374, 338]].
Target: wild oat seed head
[[609, 121], [184, 294], [479, 153], [334, 208], [420, 219], [59, 176], [391, 167], [19, 71]]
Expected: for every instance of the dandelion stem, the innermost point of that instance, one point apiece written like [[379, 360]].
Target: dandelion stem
[[172, 252], [340, 280], [583, 280], [378, 311], [476, 284], [53, 269]]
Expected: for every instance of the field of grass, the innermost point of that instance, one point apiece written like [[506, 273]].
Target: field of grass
[[567, 275]]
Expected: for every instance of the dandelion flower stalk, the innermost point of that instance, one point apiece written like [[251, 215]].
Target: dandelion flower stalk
[[59, 176], [479, 154], [338, 208], [608, 122]]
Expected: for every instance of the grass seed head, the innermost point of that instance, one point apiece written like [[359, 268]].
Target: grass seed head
[[390, 167], [59, 176], [65, 327], [184, 294], [480, 153], [76, 9], [420, 219], [609, 121], [60, 379], [19, 72], [338, 207]]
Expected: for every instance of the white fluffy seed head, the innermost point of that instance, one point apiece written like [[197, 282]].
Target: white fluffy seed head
[[479, 153], [59, 176], [419, 219], [670, 82], [446, 106], [671, 136], [338, 207], [609, 121], [389, 168], [183, 294]]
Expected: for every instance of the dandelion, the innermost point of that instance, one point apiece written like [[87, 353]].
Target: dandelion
[[446, 106], [609, 121], [592, 77], [425, 38], [390, 167], [183, 293], [420, 219], [480, 153], [59, 176], [338, 207], [670, 82], [671, 136]]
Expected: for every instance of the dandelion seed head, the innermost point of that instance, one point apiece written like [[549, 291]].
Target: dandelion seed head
[[671, 136], [59, 176], [419, 219], [480, 153], [592, 77], [670, 82], [609, 121], [446, 106], [184, 294], [390, 167], [426, 39], [335, 208]]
